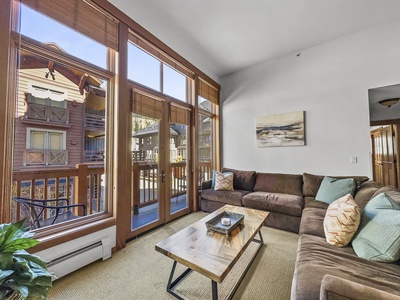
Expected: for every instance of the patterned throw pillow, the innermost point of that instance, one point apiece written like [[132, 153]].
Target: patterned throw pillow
[[223, 181], [378, 238], [341, 221]]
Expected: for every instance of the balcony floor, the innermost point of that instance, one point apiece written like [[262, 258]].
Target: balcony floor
[[149, 213]]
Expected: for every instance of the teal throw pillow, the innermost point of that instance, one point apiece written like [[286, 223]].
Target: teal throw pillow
[[332, 189], [378, 237]]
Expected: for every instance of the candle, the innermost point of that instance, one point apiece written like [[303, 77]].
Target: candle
[[225, 221]]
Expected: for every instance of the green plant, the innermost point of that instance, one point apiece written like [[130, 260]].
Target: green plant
[[20, 271]]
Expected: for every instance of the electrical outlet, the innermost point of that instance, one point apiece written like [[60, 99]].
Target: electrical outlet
[[353, 159]]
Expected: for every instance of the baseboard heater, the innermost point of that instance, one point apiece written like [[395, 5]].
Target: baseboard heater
[[73, 260]]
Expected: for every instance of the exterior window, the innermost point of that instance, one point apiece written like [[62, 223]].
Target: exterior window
[[39, 94], [45, 148], [147, 70], [143, 68], [174, 83], [41, 139]]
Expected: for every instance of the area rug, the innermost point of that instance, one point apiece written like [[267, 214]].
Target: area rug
[[139, 272]]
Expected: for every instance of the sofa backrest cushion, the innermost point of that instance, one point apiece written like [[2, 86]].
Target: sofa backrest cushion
[[279, 183], [311, 183], [392, 192], [242, 180], [365, 192]]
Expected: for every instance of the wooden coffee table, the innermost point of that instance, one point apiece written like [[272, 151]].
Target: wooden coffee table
[[211, 253]]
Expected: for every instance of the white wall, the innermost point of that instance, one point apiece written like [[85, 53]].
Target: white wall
[[330, 82]]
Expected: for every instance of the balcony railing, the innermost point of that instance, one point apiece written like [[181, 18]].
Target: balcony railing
[[93, 156], [95, 121], [82, 185], [45, 113], [85, 185], [45, 157]]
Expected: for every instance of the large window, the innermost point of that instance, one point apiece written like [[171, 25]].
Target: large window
[[61, 121]]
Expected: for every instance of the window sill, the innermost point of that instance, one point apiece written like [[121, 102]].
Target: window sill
[[55, 235]]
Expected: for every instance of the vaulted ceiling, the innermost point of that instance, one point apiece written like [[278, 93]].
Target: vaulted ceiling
[[224, 36]]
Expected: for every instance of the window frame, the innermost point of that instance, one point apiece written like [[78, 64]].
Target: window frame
[[29, 131], [60, 233]]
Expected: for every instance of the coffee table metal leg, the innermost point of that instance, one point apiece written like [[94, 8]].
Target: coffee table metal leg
[[261, 244], [172, 284], [214, 287]]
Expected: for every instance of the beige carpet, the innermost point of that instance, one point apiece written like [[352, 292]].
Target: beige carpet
[[139, 272]]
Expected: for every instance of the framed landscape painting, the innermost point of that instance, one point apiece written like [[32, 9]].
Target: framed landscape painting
[[281, 130]]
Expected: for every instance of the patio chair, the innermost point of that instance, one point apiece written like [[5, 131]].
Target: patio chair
[[59, 210]]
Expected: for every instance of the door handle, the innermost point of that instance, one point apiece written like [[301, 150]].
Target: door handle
[[162, 175]]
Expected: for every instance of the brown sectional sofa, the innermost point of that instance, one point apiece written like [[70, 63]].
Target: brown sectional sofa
[[322, 271]]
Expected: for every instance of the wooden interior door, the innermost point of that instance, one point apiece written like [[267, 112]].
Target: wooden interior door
[[384, 156]]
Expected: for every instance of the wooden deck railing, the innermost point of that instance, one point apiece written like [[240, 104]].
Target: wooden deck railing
[[94, 121], [205, 171], [81, 185], [93, 156], [145, 183]]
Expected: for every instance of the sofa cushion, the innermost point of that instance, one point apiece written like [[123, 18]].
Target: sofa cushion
[[242, 180], [312, 182], [341, 221], [279, 183], [392, 192], [365, 192], [274, 202], [316, 258], [379, 235], [228, 197], [332, 189], [312, 221], [223, 181], [311, 202]]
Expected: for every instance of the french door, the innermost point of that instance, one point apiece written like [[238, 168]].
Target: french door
[[161, 178]]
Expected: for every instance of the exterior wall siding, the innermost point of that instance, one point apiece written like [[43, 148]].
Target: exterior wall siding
[[75, 107]]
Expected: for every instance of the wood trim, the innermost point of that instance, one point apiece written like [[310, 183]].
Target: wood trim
[[195, 145], [64, 236], [142, 32], [385, 122], [8, 71], [123, 132]]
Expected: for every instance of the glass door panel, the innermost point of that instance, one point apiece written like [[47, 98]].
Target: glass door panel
[[179, 168], [145, 160]]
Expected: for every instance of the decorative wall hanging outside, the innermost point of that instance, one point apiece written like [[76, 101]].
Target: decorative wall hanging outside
[[281, 130]]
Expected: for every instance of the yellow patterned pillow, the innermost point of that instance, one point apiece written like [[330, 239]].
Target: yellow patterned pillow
[[223, 181], [341, 221]]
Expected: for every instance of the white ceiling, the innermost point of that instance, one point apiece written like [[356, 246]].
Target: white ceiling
[[224, 36]]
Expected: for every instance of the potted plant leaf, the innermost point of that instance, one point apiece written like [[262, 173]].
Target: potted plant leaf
[[22, 275]]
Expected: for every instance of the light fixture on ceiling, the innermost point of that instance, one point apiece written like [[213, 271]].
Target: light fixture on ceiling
[[389, 102]]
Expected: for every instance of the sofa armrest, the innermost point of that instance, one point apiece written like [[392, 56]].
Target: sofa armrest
[[335, 288], [206, 184]]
